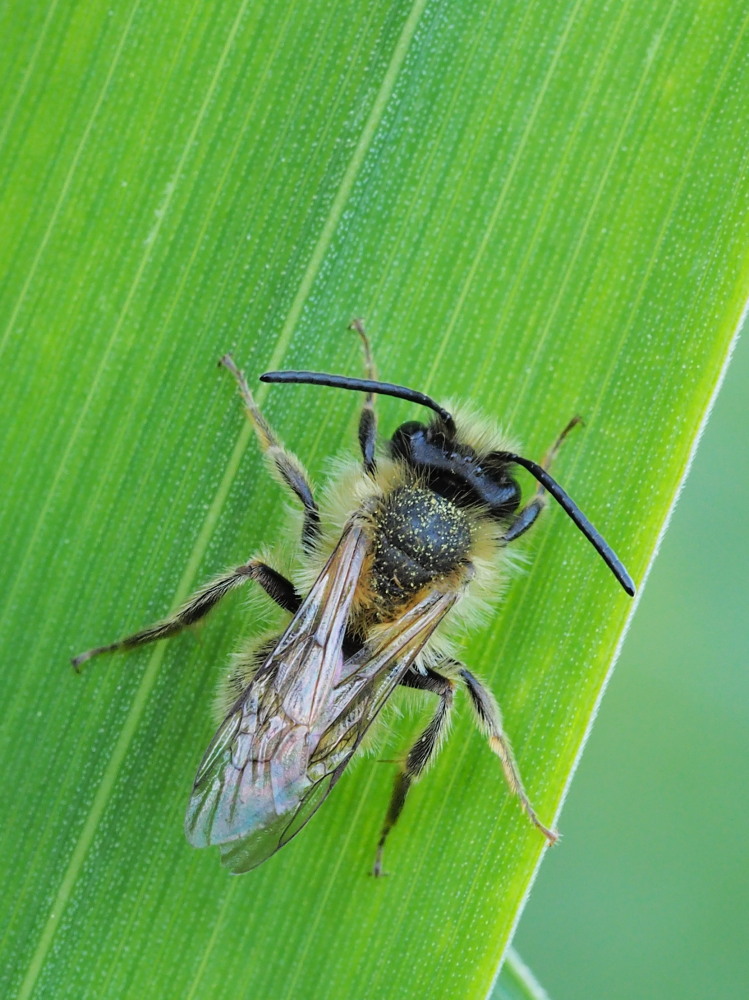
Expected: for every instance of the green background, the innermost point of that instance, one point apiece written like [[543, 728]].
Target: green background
[[648, 894]]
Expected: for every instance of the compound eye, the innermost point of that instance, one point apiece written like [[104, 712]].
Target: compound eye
[[438, 439], [406, 436], [502, 490]]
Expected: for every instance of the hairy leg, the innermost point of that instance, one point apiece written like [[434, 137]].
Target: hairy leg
[[420, 754], [368, 419], [286, 465], [202, 601]]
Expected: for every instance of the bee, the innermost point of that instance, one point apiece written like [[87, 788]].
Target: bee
[[408, 541]]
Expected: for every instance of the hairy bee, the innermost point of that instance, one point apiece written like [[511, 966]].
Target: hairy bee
[[409, 540]]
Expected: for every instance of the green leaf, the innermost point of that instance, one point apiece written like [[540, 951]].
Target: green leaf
[[537, 207]]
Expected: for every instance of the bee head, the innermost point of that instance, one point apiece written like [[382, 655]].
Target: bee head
[[454, 470]]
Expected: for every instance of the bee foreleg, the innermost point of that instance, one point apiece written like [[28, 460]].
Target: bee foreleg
[[204, 600], [420, 754], [287, 466], [368, 418], [489, 720], [523, 519], [528, 514]]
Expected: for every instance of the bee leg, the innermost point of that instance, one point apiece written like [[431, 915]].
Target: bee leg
[[196, 607], [528, 514], [277, 587], [524, 519], [489, 721], [420, 754], [368, 418], [286, 465]]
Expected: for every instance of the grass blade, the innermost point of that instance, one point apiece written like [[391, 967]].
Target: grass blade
[[539, 208]]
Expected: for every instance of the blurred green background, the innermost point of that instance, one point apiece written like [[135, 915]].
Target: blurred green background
[[648, 893]]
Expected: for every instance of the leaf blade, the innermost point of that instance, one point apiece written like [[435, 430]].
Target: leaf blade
[[427, 217]]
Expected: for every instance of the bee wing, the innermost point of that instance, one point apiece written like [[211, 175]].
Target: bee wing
[[370, 677], [254, 773], [287, 741]]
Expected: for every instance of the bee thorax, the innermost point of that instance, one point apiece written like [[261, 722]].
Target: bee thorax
[[420, 536]]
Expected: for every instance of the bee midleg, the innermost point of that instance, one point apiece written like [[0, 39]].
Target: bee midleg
[[489, 721], [420, 754], [526, 516], [368, 418], [204, 600], [288, 467]]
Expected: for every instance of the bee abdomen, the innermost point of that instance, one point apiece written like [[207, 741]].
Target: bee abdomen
[[420, 536]]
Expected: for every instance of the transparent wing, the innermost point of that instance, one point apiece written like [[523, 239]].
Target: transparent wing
[[286, 742], [254, 770], [368, 679]]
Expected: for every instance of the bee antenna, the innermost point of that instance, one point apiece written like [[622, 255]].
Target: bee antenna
[[362, 385], [572, 510]]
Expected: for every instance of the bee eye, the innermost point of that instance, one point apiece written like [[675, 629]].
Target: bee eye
[[406, 438], [495, 460], [438, 440]]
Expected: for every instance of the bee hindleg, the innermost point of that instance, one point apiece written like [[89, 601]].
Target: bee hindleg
[[204, 600], [287, 466], [420, 754], [489, 721], [528, 514], [368, 418]]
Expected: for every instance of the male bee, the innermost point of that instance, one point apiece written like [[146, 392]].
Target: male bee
[[406, 542]]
